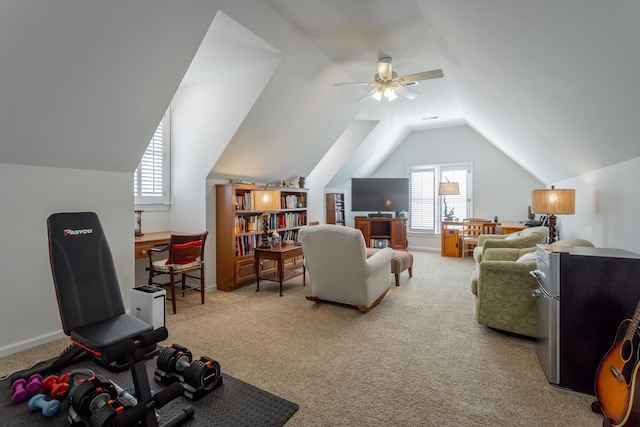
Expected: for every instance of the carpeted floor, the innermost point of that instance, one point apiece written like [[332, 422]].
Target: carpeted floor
[[419, 358]]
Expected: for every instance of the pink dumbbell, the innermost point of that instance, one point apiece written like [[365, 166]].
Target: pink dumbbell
[[23, 389]]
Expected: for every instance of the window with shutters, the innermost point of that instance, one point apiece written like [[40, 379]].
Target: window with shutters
[[427, 207], [151, 178]]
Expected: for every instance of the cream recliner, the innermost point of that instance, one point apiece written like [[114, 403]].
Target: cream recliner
[[339, 269]]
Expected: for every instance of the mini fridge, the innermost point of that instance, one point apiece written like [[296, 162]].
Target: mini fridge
[[583, 295]]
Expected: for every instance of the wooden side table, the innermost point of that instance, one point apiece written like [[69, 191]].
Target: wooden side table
[[279, 254]]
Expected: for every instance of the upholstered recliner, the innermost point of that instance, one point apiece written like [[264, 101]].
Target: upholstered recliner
[[527, 238], [502, 286], [339, 269]]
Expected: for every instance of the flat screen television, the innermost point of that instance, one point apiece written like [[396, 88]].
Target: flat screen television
[[379, 194]]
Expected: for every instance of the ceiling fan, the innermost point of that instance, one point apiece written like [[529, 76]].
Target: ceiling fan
[[387, 83]]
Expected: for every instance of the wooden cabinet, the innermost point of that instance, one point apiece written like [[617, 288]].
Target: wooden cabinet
[[335, 208], [451, 242], [239, 228], [383, 232]]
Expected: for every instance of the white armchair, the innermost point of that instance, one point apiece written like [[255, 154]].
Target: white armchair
[[339, 269]]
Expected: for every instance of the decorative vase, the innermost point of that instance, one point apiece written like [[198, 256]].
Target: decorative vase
[[301, 182]]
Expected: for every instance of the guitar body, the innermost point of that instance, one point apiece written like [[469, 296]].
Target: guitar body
[[616, 377]]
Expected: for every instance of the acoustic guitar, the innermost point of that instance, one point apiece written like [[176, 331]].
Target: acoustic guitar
[[616, 382]]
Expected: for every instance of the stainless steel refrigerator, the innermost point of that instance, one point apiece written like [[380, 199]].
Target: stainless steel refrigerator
[[583, 296]]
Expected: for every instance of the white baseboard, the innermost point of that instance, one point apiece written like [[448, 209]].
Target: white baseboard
[[10, 349]]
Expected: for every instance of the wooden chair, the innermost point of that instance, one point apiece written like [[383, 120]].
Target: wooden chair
[[471, 229], [185, 255]]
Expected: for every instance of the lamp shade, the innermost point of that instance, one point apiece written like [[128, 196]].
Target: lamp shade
[[553, 201], [449, 189], [265, 200]]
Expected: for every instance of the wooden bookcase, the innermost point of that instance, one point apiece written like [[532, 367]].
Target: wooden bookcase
[[335, 208], [239, 228], [383, 232]]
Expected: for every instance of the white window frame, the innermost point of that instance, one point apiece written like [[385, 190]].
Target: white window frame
[[162, 197], [433, 203]]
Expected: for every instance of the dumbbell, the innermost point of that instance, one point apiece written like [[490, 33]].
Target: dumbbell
[[91, 394], [57, 386], [174, 359], [49, 407], [23, 388], [202, 373]]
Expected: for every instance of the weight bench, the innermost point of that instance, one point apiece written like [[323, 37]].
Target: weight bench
[[402, 260], [93, 316]]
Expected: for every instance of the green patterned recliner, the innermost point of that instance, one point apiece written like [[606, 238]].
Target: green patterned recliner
[[502, 286], [527, 238]]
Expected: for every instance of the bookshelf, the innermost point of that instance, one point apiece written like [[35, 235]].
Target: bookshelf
[[383, 232], [239, 228], [335, 208]]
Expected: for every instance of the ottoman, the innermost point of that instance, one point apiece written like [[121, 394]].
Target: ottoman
[[402, 260]]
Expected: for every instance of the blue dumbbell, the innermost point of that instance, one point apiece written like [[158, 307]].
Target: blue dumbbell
[[49, 407]]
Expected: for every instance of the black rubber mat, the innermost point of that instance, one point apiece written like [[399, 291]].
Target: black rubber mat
[[235, 403]]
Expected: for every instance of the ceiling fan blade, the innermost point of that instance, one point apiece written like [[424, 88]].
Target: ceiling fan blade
[[355, 84], [425, 75], [407, 92]]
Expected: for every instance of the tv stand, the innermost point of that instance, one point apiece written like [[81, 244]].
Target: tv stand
[[380, 215], [383, 232]]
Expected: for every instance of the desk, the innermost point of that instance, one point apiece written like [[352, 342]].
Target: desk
[[147, 241], [450, 239], [512, 227], [279, 254]]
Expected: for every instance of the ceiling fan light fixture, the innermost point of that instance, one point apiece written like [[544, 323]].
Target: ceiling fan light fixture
[[390, 93], [377, 95]]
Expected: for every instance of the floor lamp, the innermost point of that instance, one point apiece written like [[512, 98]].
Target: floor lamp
[[265, 201], [553, 202], [448, 189]]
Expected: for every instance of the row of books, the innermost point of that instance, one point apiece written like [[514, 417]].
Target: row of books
[[289, 236], [245, 244], [243, 201], [292, 201], [249, 223], [287, 220]]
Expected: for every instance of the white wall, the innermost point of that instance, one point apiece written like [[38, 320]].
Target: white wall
[[29, 194], [500, 187], [606, 203]]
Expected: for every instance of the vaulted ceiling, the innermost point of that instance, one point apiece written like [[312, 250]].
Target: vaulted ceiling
[[551, 84]]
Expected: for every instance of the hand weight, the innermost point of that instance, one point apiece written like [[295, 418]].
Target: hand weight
[[56, 386], [49, 407], [23, 388]]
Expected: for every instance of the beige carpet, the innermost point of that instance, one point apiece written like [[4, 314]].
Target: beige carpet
[[419, 358]]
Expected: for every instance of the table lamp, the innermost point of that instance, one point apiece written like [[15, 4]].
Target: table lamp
[[265, 201], [553, 202], [448, 189]]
